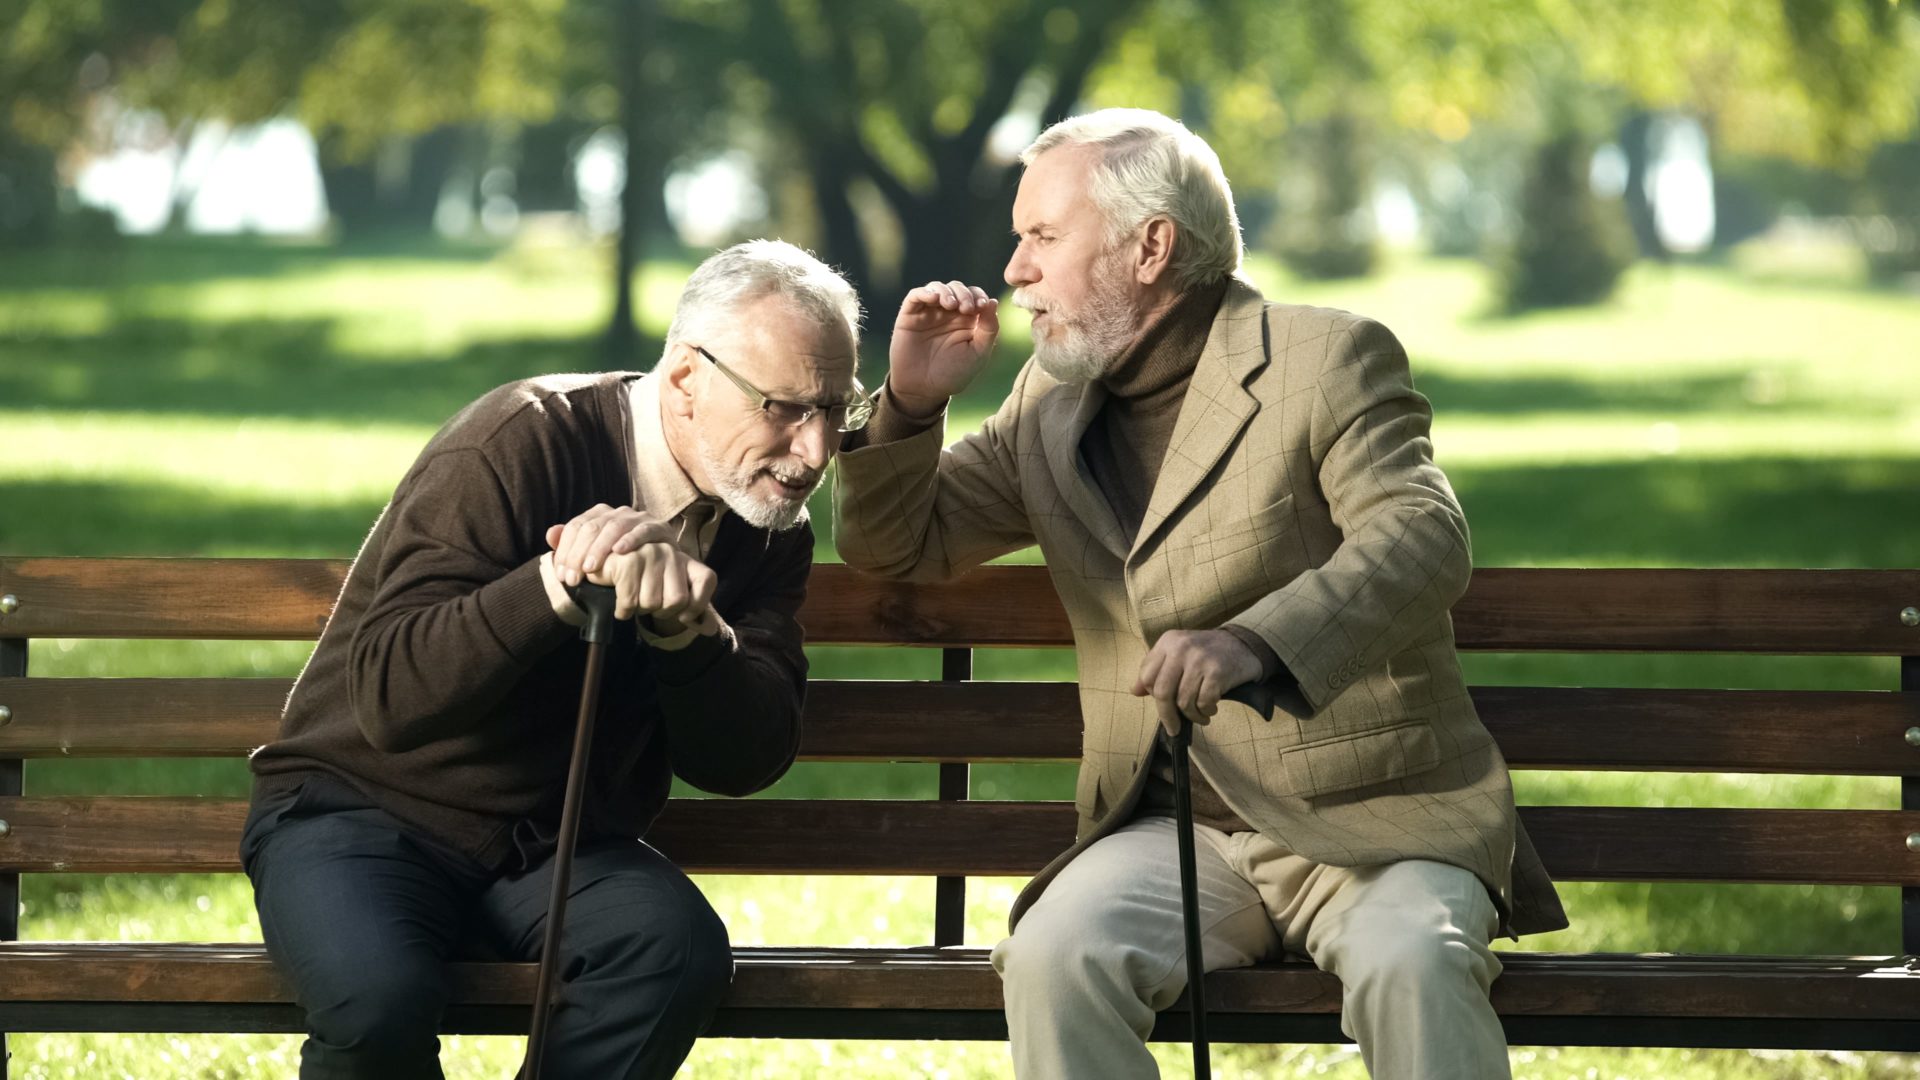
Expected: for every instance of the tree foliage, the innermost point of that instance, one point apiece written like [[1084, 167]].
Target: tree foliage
[[895, 119], [901, 101], [358, 68]]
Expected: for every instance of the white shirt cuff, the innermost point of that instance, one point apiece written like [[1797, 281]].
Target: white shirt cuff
[[570, 613]]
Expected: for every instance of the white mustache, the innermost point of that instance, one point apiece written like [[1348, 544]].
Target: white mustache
[[1024, 299]]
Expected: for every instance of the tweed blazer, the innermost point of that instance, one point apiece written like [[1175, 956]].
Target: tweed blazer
[[1298, 499]]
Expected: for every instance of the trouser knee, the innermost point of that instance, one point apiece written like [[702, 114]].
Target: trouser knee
[[1047, 960], [385, 1014]]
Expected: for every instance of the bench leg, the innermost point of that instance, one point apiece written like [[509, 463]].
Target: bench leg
[[1910, 800], [13, 664]]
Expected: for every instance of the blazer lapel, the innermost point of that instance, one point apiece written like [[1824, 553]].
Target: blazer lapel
[[1068, 411], [1216, 409]]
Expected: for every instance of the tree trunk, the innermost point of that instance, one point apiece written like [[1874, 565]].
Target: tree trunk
[[959, 230], [623, 335], [543, 180], [1636, 136], [842, 244], [397, 188], [29, 193]]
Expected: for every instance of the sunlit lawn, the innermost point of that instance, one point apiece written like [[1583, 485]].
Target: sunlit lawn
[[213, 399]]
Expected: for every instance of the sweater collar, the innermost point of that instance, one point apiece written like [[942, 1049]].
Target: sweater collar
[[1169, 350]]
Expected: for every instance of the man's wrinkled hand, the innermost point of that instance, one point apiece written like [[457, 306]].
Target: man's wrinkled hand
[[672, 589], [1188, 671], [941, 339], [582, 546]]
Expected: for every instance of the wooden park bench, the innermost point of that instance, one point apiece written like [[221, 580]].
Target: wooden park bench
[[943, 991]]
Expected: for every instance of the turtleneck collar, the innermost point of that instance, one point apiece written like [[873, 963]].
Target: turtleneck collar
[[1170, 349]]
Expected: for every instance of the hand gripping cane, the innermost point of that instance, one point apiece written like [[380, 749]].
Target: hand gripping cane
[[598, 602], [1190, 897]]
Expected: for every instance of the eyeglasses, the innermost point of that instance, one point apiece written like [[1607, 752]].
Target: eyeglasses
[[849, 415]]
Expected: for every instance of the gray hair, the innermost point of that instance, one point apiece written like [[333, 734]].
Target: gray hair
[[757, 268], [1152, 166]]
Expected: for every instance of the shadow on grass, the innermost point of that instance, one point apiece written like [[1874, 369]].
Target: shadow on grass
[[1454, 396], [141, 262], [1777, 512], [264, 368], [72, 517]]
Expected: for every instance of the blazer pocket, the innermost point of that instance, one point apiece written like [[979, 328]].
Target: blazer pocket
[[1352, 761], [1244, 533]]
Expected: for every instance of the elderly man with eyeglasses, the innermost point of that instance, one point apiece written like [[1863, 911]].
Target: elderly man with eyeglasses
[[406, 815]]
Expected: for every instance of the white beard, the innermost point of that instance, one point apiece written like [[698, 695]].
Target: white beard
[[1087, 343], [734, 485]]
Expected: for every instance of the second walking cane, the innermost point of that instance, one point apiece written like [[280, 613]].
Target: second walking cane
[[598, 602], [1190, 897]]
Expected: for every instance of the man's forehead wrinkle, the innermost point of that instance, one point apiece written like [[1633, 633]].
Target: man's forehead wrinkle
[[801, 373]]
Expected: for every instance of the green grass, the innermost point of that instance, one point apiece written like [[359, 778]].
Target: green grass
[[246, 399]]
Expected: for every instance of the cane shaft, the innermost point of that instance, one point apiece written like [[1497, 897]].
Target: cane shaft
[[563, 857], [1190, 902]]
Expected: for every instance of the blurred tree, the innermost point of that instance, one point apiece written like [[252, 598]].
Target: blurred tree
[[1891, 236], [902, 101], [1818, 80], [912, 107], [1572, 246], [1636, 146], [1325, 229], [402, 95], [357, 72], [29, 192], [1306, 99], [54, 57]]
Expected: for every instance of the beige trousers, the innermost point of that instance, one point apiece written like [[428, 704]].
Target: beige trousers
[[1103, 950]]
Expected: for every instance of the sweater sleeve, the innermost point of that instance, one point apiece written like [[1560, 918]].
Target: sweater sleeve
[[458, 613], [732, 701]]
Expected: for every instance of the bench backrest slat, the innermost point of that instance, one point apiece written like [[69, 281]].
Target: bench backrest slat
[[922, 837], [1792, 731], [1727, 611], [1853, 612]]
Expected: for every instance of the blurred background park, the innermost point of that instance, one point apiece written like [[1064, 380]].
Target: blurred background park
[[1657, 263]]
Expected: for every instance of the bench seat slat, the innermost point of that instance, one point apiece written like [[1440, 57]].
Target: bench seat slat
[[923, 837], [1817, 732], [1535, 984], [1855, 612]]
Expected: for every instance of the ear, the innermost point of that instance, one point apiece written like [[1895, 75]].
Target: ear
[[676, 387], [1154, 261]]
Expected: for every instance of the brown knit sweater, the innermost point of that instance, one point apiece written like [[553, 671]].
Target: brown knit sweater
[[444, 689]]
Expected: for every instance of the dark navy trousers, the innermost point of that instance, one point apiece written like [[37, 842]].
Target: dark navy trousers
[[363, 913]]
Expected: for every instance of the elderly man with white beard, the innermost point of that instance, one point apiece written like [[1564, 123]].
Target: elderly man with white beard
[[408, 814], [1232, 496]]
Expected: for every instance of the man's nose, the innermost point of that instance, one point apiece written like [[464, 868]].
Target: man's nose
[[814, 441], [1021, 270]]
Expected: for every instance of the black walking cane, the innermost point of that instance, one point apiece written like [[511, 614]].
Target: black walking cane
[[598, 602], [1190, 897]]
